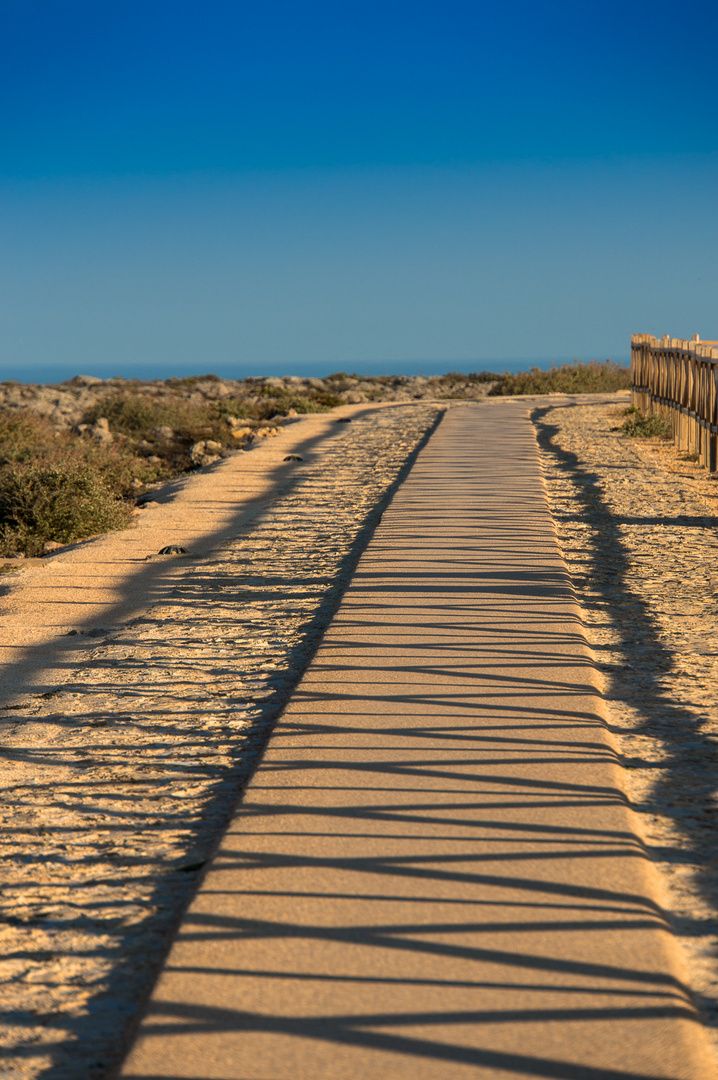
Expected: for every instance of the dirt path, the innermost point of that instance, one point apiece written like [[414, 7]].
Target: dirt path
[[118, 779], [637, 526], [121, 764], [433, 874]]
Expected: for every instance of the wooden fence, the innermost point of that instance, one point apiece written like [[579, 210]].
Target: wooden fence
[[679, 380]]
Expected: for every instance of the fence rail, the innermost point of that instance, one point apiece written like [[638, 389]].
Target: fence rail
[[679, 380]]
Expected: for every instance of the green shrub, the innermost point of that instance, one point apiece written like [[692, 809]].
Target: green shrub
[[23, 437], [639, 426], [482, 376], [137, 414], [40, 502], [231, 407], [595, 377]]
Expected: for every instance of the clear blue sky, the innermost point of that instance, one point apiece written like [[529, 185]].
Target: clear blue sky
[[278, 187]]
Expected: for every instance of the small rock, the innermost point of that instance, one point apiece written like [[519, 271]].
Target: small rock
[[212, 447], [238, 431], [84, 380], [164, 432], [154, 460], [51, 545], [101, 430]]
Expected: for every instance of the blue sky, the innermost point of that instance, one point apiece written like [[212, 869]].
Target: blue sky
[[283, 187]]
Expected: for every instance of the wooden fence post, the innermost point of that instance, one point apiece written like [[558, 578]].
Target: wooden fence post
[[678, 380]]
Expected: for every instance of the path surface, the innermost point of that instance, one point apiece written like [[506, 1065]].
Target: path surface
[[433, 873], [138, 704]]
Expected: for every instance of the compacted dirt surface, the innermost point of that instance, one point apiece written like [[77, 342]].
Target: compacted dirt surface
[[118, 779], [121, 767], [636, 522]]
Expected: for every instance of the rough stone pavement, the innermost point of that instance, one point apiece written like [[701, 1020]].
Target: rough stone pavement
[[434, 872]]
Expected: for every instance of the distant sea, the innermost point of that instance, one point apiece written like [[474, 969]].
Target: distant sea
[[59, 370]]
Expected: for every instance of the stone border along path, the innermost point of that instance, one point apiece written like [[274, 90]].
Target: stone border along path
[[434, 871], [136, 694]]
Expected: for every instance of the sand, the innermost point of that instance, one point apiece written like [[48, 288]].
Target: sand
[[138, 689]]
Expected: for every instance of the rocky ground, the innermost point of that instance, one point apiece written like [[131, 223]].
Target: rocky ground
[[637, 524], [66, 404]]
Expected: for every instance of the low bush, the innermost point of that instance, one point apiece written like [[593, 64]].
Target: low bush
[[56, 486], [137, 414], [40, 502], [639, 426], [594, 377]]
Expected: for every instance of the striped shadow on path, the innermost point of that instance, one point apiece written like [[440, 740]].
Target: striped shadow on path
[[434, 873]]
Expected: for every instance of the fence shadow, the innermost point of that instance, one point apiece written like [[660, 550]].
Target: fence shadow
[[155, 584], [691, 764], [434, 850]]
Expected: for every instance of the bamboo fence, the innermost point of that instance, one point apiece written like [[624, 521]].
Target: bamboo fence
[[679, 380]]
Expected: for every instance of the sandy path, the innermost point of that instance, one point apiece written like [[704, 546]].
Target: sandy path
[[433, 873], [637, 526], [125, 743], [115, 786]]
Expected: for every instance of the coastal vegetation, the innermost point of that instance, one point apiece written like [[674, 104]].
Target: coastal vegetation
[[641, 426], [75, 457], [593, 377]]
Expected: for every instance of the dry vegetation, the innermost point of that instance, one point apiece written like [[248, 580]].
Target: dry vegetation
[[75, 457], [596, 377]]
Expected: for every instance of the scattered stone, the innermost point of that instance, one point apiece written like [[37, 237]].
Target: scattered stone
[[84, 380], [198, 453], [101, 430], [163, 432]]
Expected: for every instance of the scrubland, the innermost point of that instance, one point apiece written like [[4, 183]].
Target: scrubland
[[75, 457]]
